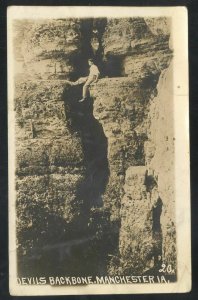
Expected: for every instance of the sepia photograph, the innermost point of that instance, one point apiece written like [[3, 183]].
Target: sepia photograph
[[98, 150]]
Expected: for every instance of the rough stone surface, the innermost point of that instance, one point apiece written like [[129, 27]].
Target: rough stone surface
[[48, 167], [159, 153], [140, 191], [121, 105], [136, 238], [124, 35], [52, 49], [116, 152], [134, 45], [159, 25]]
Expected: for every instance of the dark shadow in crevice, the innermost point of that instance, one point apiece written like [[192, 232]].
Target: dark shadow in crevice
[[91, 30], [156, 254], [79, 248], [157, 232], [149, 182], [93, 220], [150, 81], [113, 66], [94, 143]]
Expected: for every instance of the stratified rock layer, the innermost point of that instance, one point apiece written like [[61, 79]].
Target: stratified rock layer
[[48, 167], [52, 49], [132, 45], [159, 153], [120, 104], [116, 153], [140, 193]]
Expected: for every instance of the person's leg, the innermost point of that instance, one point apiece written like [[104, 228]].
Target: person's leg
[[81, 80], [85, 91]]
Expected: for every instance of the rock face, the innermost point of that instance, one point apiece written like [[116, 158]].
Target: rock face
[[149, 190], [140, 192], [159, 153], [131, 46], [49, 169], [120, 104], [94, 180], [49, 48], [136, 114]]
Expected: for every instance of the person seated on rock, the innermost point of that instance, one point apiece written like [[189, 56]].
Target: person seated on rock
[[93, 77]]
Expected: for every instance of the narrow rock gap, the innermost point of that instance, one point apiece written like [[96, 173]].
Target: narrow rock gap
[[93, 221], [81, 246], [87, 238], [157, 232], [94, 143], [156, 211]]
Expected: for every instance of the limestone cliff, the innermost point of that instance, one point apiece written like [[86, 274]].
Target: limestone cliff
[[138, 123], [94, 180]]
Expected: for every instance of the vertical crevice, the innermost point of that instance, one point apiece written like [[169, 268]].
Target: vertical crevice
[[91, 35], [94, 143], [157, 232], [93, 221], [156, 211]]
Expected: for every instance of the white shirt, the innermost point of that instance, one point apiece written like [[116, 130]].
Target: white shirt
[[93, 71]]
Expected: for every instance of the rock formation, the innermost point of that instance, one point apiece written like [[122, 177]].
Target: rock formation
[[94, 180]]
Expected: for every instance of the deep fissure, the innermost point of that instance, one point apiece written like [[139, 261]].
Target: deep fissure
[[93, 220], [91, 236], [157, 232], [94, 143]]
